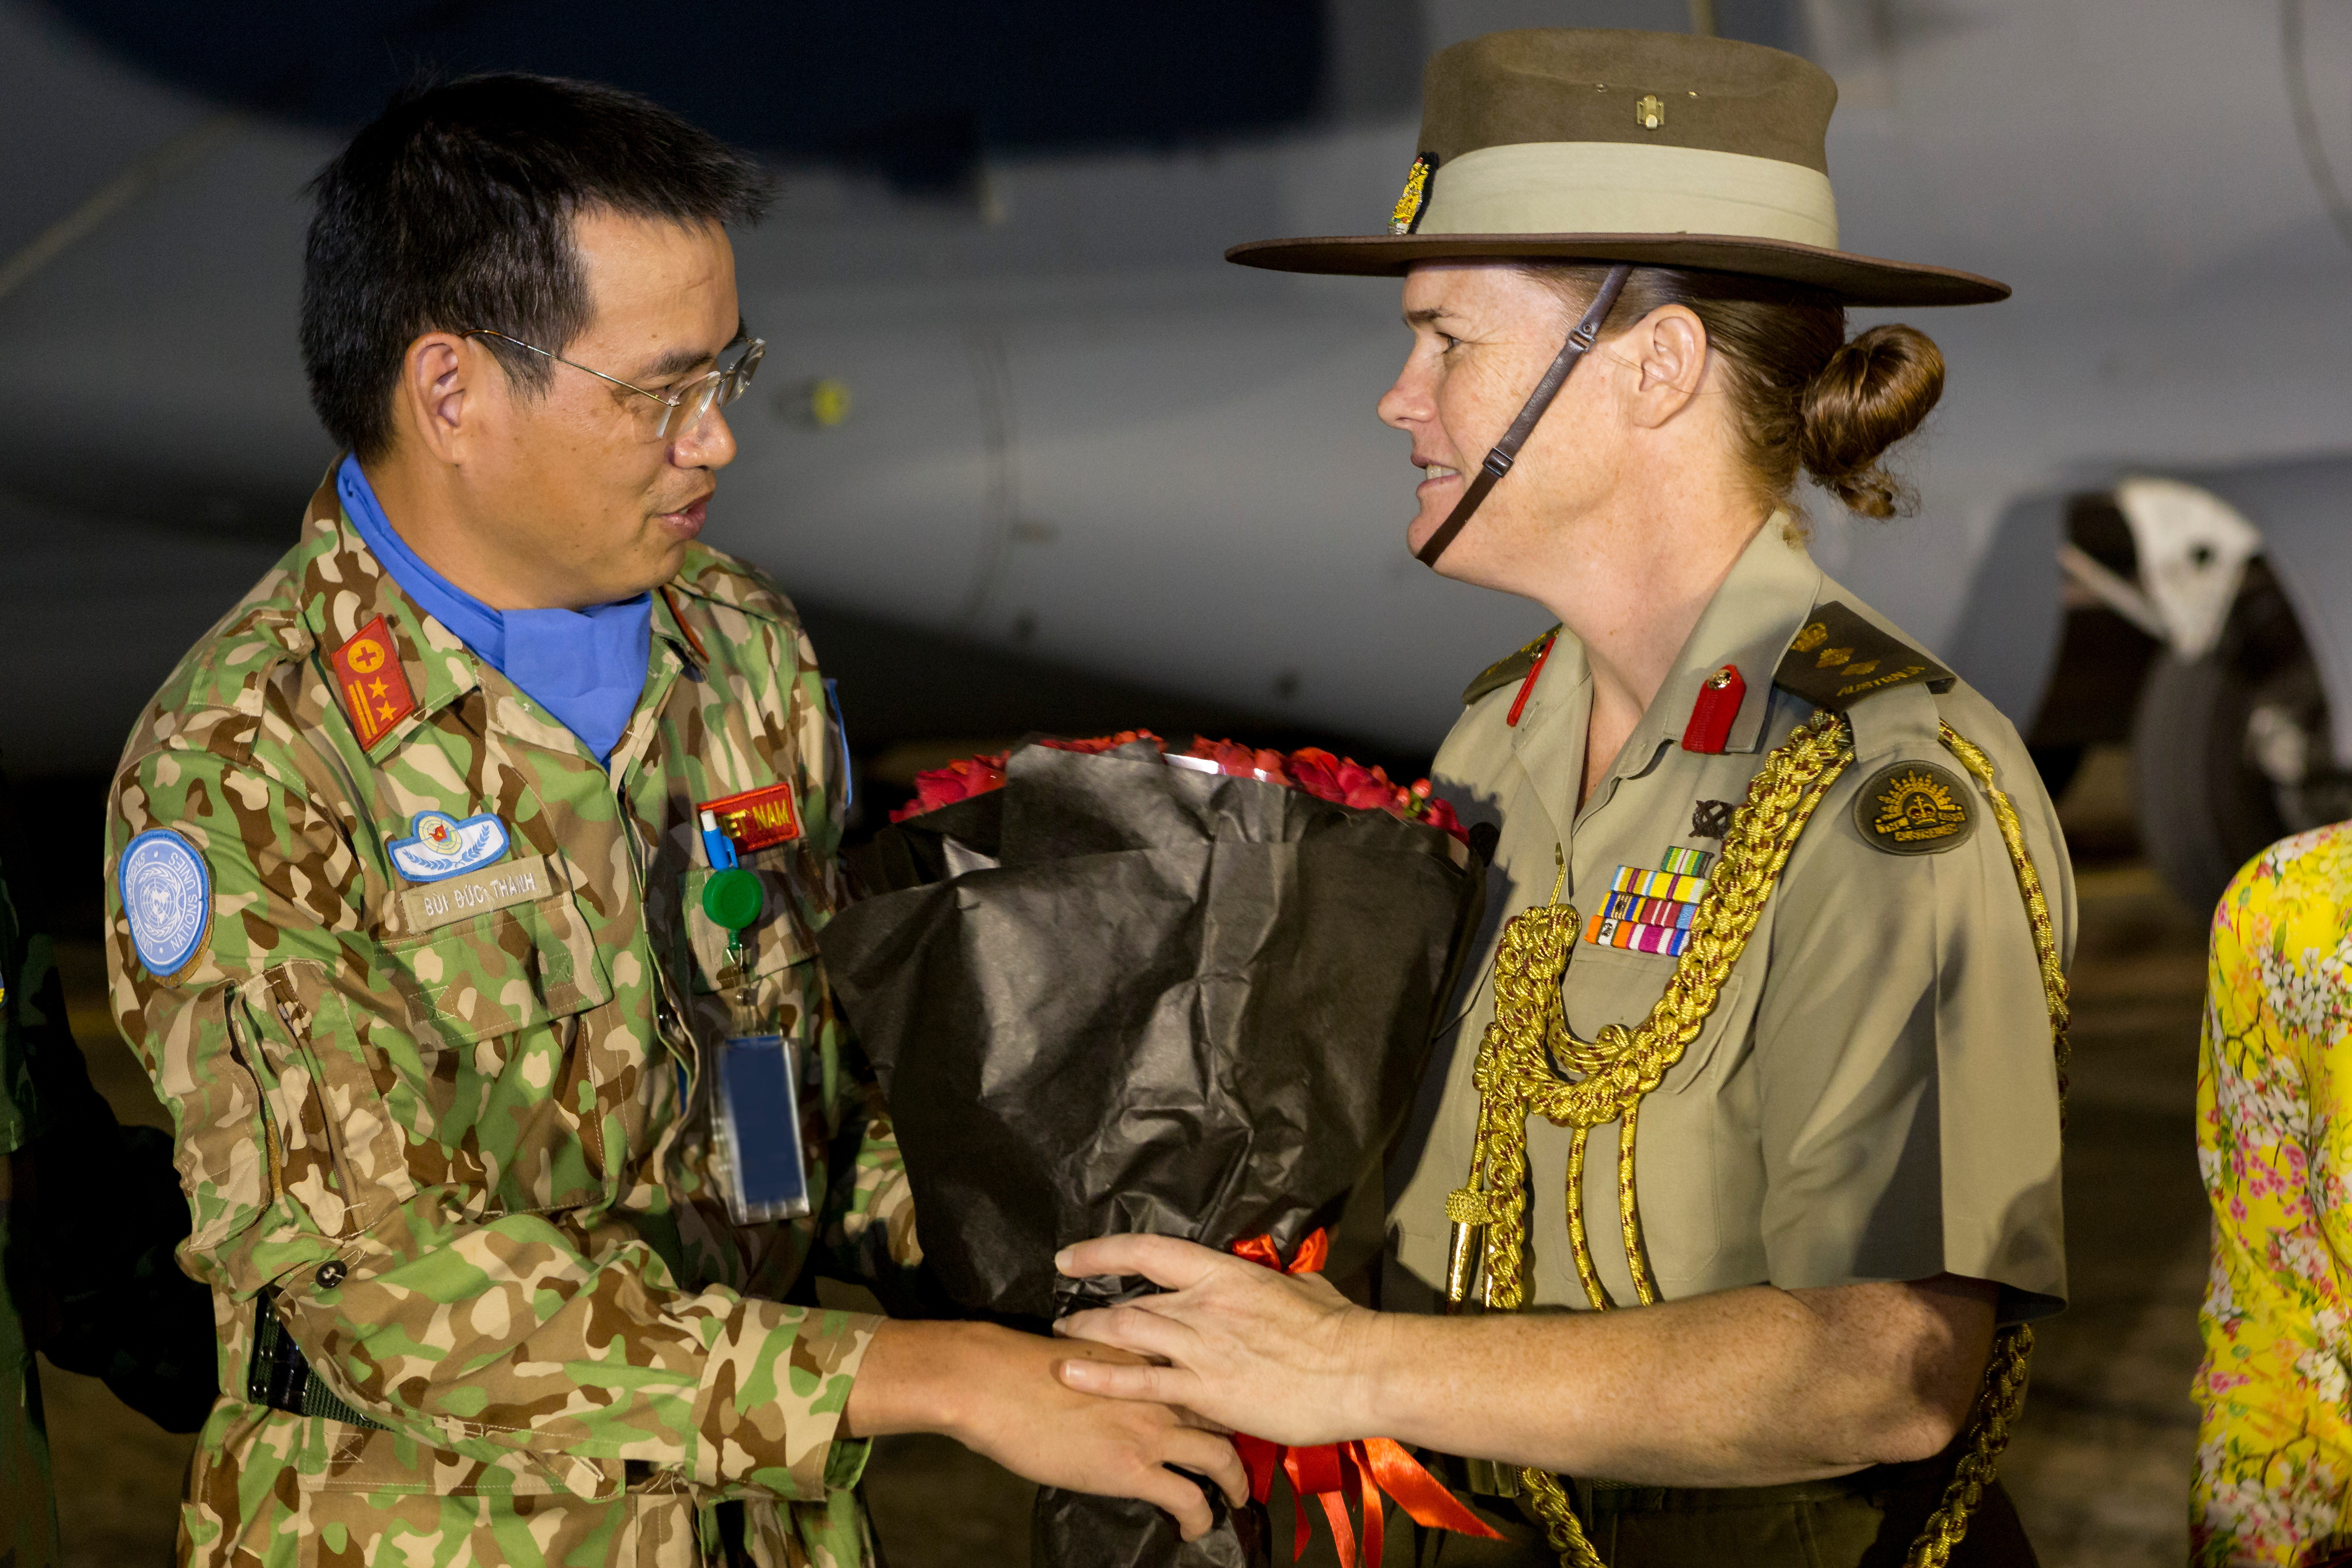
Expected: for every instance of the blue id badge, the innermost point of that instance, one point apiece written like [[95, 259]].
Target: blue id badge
[[760, 1115]]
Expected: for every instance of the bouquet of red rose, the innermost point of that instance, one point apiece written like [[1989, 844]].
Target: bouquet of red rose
[[1109, 987], [1341, 780]]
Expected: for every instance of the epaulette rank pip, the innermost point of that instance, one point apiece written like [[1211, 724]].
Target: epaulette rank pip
[[1838, 658]]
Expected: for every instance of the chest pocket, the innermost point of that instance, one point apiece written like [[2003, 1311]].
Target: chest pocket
[[500, 972], [776, 941], [1608, 985]]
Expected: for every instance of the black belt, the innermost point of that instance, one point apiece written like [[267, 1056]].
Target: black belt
[[1488, 1479], [281, 1377], [1625, 1497]]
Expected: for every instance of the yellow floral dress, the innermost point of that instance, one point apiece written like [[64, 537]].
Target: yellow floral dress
[[2274, 1143]]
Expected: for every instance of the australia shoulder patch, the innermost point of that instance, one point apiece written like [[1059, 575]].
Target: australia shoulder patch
[[1838, 658], [1915, 808], [167, 896]]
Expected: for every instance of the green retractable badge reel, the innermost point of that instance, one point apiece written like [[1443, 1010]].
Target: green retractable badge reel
[[734, 902]]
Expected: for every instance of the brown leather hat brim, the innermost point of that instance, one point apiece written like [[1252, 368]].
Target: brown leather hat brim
[[1856, 280]]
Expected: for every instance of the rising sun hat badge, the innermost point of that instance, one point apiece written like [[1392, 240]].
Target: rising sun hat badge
[[1416, 195]]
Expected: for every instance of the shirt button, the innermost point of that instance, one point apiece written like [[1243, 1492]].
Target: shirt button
[[330, 1275]]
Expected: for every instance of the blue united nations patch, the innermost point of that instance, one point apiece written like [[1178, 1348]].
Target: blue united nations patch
[[168, 895], [441, 845]]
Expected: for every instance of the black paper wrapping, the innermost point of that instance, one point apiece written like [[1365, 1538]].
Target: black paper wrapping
[[1118, 994]]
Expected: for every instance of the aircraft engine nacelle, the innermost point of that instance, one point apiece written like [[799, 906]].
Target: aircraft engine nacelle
[[2204, 617]]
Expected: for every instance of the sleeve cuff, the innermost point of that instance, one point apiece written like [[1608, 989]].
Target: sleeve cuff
[[773, 1389]]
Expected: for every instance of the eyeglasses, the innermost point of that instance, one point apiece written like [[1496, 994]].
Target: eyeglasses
[[685, 408]]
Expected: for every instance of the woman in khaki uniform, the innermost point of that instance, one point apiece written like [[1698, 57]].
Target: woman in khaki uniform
[[1765, 1040]]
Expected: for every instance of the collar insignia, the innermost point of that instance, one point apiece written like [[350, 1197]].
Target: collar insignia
[[372, 684], [1719, 697]]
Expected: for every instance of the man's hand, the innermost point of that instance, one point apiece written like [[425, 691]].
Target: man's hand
[[1277, 1355], [999, 1393]]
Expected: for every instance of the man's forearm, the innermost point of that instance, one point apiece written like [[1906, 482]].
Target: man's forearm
[[910, 1379], [997, 1392], [1750, 1387]]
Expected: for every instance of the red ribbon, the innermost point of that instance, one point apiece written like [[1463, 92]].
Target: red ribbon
[[1328, 1472]]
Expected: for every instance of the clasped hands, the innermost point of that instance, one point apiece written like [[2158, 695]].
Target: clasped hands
[[1130, 1394], [1245, 1348], [1281, 1357]]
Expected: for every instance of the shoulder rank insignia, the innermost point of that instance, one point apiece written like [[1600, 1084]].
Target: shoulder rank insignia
[[1915, 808], [1409, 206], [1838, 658], [1504, 671], [369, 680]]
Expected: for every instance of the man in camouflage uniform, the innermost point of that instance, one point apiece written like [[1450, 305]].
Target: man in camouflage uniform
[[411, 930]]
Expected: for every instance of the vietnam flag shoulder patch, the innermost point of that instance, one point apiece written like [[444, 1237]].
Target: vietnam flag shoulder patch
[[370, 682]]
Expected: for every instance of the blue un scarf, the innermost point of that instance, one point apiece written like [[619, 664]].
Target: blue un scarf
[[585, 667]]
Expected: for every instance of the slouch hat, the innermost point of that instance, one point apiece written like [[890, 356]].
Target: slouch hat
[[1606, 145]]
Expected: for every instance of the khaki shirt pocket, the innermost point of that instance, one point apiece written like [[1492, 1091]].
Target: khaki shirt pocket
[[1685, 1141], [1606, 985], [498, 973], [485, 1007]]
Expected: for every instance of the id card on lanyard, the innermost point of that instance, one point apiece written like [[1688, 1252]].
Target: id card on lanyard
[[760, 1115], [759, 1073]]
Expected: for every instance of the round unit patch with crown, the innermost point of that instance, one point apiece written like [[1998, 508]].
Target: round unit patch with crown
[[167, 896], [1915, 808]]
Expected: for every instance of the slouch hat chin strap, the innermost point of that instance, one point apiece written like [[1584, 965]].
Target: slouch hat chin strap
[[1506, 451]]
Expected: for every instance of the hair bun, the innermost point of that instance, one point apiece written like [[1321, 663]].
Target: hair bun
[[1873, 392]]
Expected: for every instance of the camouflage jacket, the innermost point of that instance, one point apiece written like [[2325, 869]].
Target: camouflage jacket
[[462, 1129]]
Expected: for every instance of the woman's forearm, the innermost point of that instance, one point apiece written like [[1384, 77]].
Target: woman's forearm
[[1750, 1387]]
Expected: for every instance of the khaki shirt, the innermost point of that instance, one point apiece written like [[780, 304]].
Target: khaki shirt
[[1874, 1097]]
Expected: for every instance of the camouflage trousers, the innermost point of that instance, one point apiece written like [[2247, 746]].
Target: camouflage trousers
[[274, 1490]]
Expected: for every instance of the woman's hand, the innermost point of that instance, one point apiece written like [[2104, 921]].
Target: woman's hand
[[1283, 1357], [996, 1392]]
